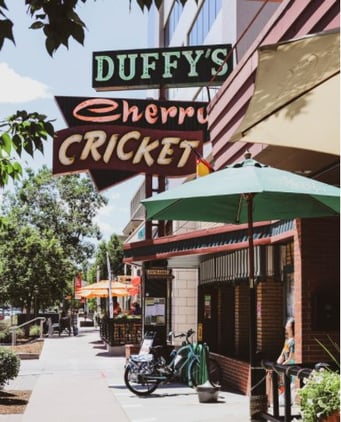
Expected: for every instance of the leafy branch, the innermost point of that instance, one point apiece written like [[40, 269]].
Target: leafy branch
[[20, 132], [58, 20]]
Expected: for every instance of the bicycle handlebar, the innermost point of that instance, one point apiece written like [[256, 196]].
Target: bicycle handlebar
[[189, 333]]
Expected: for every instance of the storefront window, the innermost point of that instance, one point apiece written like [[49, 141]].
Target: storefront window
[[287, 271], [207, 307], [289, 294], [172, 21], [204, 21]]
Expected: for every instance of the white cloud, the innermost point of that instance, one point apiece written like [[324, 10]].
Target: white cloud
[[105, 228], [114, 196], [105, 211], [15, 88], [112, 218]]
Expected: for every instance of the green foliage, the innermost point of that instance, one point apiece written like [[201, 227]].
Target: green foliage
[[9, 365], [92, 304], [6, 333], [333, 354], [6, 25], [20, 132], [320, 395], [58, 20], [50, 224], [5, 336], [158, 3], [34, 267], [34, 331], [20, 333], [114, 248]]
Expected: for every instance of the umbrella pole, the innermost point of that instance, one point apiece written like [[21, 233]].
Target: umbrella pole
[[257, 393], [252, 287], [110, 301]]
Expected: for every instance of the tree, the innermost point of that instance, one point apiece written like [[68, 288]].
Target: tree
[[21, 132], [114, 248], [34, 269], [58, 20], [66, 205], [47, 236]]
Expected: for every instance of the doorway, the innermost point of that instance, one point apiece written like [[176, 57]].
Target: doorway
[[216, 317]]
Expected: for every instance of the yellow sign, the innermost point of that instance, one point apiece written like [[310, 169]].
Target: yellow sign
[[199, 332]]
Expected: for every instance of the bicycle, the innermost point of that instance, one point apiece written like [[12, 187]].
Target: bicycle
[[144, 373]]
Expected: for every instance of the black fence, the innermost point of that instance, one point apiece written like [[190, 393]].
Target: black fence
[[120, 331], [22, 318], [283, 374]]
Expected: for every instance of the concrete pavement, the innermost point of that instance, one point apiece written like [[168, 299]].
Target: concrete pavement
[[76, 379]]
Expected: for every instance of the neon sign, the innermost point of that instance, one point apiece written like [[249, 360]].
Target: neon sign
[[114, 139]]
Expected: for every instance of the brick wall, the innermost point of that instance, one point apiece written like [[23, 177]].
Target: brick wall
[[270, 319], [242, 320], [317, 273], [236, 374]]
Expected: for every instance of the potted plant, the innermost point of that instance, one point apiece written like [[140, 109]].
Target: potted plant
[[320, 394]]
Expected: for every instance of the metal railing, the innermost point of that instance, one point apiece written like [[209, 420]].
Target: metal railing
[[116, 332], [14, 329], [284, 373]]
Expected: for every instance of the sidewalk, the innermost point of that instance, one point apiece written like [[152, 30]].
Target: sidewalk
[[75, 379]]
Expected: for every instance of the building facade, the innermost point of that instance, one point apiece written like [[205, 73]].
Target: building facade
[[297, 261]]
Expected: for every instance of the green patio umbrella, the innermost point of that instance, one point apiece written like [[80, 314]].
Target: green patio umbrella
[[225, 196], [242, 193]]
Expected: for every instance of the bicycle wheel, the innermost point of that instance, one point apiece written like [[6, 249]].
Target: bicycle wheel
[[136, 385], [194, 373], [214, 372]]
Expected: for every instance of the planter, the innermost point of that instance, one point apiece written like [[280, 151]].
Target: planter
[[208, 393], [86, 323], [333, 417]]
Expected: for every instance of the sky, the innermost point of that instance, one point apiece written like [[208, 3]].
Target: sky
[[30, 78]]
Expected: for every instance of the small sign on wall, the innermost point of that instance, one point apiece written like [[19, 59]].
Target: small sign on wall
[[200, 332]]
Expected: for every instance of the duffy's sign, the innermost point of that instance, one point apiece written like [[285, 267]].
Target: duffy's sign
[[168, 67], [115, 139]]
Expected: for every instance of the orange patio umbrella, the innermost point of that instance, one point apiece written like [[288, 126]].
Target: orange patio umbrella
[[90, 293], [101, 289]]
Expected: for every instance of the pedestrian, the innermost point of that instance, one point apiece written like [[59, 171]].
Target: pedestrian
[[135, 309], [287, 357], [117, 308]]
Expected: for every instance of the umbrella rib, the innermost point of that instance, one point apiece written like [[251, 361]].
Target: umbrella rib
[[239, 209], [325, 206], [154, 216]]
